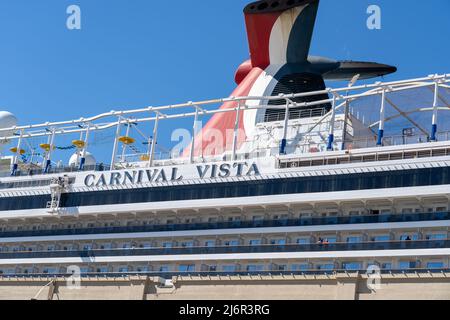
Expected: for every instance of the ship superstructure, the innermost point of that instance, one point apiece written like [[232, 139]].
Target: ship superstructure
[[288, 177]]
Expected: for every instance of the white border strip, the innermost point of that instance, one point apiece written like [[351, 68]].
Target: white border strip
[[234, 257]]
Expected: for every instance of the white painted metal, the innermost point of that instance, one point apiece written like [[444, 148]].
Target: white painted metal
[[194, 134], [116, 143], [236, 131], [86, 142], [154, 140], [262, 201], [435, 109], [245, 231], [236, 257], [124, 146], [19, 146], [69, 127]]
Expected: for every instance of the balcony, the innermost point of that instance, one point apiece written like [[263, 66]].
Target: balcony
[[304, 221], [319, 247]]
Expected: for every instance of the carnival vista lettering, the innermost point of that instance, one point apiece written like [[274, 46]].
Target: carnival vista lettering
[[156, 175]]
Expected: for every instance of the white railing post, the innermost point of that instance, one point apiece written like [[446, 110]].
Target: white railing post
[[434, 125], [345, 126], [154, 141], [236, 131], [15, 165], [194, 133], [48, 131], [44, 157], [48, 162], [124, 146], [285, 128], [116, 143], [332, 122], [83, 153], [382, 118]]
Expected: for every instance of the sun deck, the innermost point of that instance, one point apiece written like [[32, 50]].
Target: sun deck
[[377, 122]]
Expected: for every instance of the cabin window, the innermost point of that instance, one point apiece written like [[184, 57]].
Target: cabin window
[[164, 268], [278, 242], [229, 243], [435, 265], [354, 239], [303, 241], [186, 268], [382, 238], [210, 243], [406, 265], [440, 236], [386, 266], [325, 266], [300, 267], [229, 268], [255, 268], [352, 266]]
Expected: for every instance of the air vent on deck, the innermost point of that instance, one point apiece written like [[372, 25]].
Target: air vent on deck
[[298, 83]]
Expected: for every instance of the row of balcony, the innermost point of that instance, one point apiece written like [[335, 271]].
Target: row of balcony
[[242, 273], [299, 222], [286, 248]]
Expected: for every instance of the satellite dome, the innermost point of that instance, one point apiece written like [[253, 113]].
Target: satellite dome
[[75, 160], [7, 120]]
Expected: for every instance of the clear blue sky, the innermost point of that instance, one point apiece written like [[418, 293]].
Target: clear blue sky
[[144, 52]]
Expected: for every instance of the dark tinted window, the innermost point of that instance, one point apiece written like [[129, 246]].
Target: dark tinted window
[[348, 182]]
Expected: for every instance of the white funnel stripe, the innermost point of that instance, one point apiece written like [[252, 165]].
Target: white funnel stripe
[[263, 86], [279, 37]]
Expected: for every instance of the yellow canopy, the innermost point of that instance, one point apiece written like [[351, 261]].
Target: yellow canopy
[[79, 144], [127, 140], [46, 147], [14, 150]]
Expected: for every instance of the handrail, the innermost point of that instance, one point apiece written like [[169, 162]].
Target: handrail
[[286, 248], [304, 221], [393, 86], [190, 274]]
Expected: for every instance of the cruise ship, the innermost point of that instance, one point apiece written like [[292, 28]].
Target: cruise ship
[[291, 190]]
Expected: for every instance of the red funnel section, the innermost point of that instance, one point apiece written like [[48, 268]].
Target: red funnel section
[[216, 136]]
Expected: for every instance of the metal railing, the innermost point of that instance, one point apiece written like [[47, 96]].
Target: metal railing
[[129, 118], [242, 273], [304, 221], [287, 248], [426, 152], [397, 140], [57, 170]]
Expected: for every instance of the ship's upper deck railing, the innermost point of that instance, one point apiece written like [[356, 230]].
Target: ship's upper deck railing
[[239, 249], [297, 272], [303, 221], [342, 94], [343, 99]]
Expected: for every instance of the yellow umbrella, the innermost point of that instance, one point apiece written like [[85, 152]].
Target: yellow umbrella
[[79, 144], [127, 140], [15, 150]]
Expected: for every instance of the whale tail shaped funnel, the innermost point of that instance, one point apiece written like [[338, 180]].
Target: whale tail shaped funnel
[[280, 32], [279, 37]]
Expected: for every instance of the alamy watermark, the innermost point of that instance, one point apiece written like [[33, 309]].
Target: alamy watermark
[[374, 19], [73, 282], [74, 19], [374, 278]]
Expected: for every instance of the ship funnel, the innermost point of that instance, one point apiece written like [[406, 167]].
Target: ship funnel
[[279, 36]]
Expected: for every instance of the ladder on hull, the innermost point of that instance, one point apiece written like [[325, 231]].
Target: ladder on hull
[[57, 187]]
